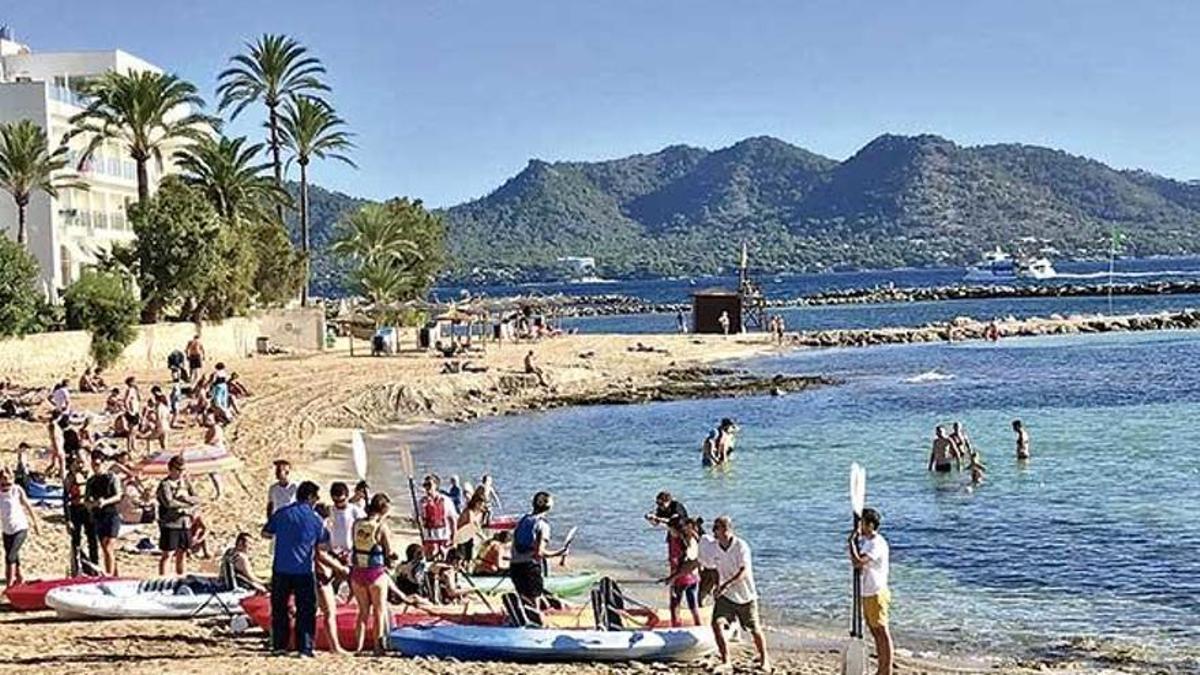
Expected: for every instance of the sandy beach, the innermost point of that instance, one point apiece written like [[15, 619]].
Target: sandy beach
[[299, 409]]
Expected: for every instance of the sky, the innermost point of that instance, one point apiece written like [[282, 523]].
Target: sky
[[449, 98]]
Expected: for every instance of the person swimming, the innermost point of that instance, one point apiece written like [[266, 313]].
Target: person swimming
[[1022, 440]]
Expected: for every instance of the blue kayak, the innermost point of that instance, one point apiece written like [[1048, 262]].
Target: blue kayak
[[498, 643], [42, 492]]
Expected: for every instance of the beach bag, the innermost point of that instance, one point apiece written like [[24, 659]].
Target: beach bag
[[433, 512], [525, 534]]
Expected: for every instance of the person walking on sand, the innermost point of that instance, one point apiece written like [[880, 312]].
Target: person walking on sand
[[869, 552], [737, 596], [1022, 440], [102, 494], [680, 323], [16, 517], [195, 357], [683, 544], [943, 452], [724, 321], [283, 491], [368, 574], [439, 518], [131, 408], [298, 532], [530, 551], [177, 504]]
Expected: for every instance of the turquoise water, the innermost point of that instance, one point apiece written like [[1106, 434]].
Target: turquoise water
[[1097, 537]]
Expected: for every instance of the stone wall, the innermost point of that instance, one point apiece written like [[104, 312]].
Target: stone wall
[[36, 359]]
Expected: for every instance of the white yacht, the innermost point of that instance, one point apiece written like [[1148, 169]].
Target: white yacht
[[1000, 266]]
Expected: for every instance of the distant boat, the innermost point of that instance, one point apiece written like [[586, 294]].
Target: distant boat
[[1000, 266]]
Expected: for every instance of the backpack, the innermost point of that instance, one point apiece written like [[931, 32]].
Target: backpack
[[525, 534], [433, 513]]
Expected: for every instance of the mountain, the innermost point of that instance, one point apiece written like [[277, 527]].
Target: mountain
[[898, 201]]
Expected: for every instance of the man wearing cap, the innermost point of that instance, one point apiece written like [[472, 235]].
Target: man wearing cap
[[300, 537], [283, 490], [177, 503]]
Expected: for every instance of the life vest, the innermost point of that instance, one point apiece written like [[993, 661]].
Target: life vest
[[433, 512], [368, 552]]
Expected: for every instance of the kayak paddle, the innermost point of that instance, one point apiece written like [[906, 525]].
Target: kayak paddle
[[358, 451], [854, 660]]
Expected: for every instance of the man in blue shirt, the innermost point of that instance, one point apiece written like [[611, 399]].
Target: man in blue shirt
[[298, 533]]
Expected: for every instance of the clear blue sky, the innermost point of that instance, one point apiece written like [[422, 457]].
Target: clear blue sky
[[449, 97]]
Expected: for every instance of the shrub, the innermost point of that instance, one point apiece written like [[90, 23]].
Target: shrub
[[103, 304], [20, 297]]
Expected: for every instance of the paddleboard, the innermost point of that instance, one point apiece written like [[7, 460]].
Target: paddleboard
[[31, 595], [166, 598], [358, 450], [501, 643]]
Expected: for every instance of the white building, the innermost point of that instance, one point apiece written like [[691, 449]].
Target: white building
[[66, 232]]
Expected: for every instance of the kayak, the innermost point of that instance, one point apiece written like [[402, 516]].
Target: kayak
[[258, 610], [489, 643], [199, 460], [507, 522], [43, 493], [165, 598], [31, 595], [564, 585]]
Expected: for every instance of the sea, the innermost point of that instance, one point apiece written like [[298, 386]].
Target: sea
[[1089, 552]]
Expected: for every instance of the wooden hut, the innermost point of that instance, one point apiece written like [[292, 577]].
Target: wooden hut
[[709, 304]]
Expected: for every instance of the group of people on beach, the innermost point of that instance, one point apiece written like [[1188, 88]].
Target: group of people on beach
[[105, 490], [953, 451]]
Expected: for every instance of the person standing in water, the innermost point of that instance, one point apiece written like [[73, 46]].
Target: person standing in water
[[1022, 440], [942, 453], [869, 552]]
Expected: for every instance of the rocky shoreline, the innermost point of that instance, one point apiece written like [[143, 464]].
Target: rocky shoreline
[[615, 304]]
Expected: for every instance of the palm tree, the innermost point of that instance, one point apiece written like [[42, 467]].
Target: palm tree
[[145, 112], [274, 70], [226, 171], [28, 165], [374, 233], [309, 128]]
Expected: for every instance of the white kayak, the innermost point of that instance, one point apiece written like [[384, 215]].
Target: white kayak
[[492, 643], [168, 598]]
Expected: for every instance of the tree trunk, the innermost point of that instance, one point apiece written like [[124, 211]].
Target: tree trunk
[[273, 122], [304, 231], [143, 179], [22, 206]]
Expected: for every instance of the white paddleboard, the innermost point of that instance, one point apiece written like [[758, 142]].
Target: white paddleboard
[[358, 450]]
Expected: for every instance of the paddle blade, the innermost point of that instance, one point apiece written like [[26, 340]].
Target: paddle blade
[[406, 461], [570, 537], [358, 450], [858, 488], [854, 658]]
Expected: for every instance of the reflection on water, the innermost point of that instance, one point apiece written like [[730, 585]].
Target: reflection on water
[[1096, 536]]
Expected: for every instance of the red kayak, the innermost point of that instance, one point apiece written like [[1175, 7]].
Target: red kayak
[[31, 595], [503, 522], [258, 609]]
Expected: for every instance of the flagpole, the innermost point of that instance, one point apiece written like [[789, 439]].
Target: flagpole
[[1112, 256]]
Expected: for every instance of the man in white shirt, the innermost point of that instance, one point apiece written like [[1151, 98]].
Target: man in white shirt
[[60, 398], [737, 598], [283, 490], [342, 517], [869, 553]]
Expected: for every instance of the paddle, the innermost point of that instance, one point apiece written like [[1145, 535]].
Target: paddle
[[562, 562], [854, 660], [406, 465], [358, 451]]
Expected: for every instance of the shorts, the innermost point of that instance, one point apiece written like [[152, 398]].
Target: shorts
[[133, 420], [434, 548], [366, 576], [708, 582], [875, 608], [174, 539], [527, 578], [691, 593], [943, 468], [12, 547], [108, 525], [746, 614], [195, 362]]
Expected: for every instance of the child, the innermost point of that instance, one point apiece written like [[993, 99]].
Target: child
[[869, 552]]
